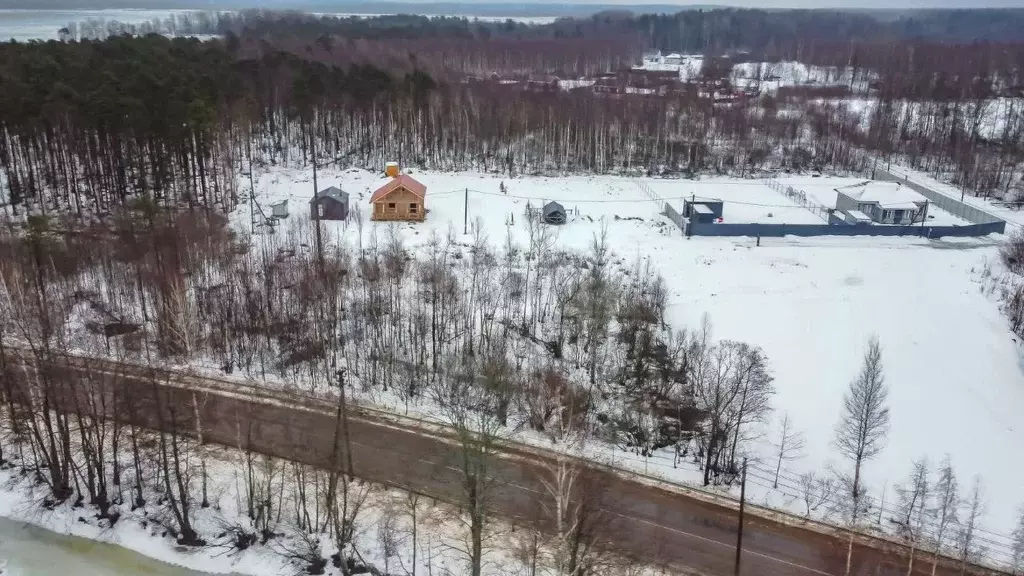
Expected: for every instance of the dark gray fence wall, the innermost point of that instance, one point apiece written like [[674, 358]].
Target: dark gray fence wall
[[674, 216], [952, 205], [779, 230]]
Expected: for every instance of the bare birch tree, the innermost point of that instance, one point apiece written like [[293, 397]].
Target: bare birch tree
[[862, 431], [913, 507], [1017, 563], [947, 502], [477, 432], [815, 491], [966, 538], [789, 447]]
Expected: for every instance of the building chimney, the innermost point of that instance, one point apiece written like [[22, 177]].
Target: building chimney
[[391, 169]]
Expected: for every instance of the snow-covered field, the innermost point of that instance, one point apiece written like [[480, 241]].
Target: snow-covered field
[[744, 200], [954, 368], [25, 25]]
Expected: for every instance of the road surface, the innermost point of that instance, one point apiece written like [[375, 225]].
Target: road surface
[[650, 520]]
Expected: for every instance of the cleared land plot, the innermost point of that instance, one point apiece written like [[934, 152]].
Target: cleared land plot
[[954, 367], [823, 191], [744, 201]]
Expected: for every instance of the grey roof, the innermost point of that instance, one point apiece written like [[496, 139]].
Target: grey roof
[[552, 207], [331, 192]]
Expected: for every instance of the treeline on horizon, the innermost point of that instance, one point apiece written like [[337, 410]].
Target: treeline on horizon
[[909, 62], [85, 126], [693, 31]]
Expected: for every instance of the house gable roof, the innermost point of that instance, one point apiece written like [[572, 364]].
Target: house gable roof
[[402, 181], [886, 194], [552, 207], [332, 192]]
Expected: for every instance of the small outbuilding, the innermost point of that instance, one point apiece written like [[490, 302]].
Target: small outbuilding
[[329, 204], [553, 213], [279, 210], [702, 211], [857, 218]]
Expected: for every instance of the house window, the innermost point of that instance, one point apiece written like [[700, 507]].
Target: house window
[[391, 205], [867, 209], [886, 215], [413, 208], [320, 210]]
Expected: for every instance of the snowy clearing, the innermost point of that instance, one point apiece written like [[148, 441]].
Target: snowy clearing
[[952, 363]]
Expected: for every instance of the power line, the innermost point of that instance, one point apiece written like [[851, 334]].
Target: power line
[[999, 549], [793, 477], [927, 527], [641, 200]]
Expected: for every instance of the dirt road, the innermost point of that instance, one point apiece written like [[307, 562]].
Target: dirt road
[[652, 521]]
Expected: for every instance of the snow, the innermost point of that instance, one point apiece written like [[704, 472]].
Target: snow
[[768, 76], [887, 194], [19, 501], [1014, 218], [953, 365], [858, 216], [743, 200], [440, 532], [25, 25], [822, 191], [993, 114]]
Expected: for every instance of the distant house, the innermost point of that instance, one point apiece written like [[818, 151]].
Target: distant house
[[542, 83], [329, 204], [400, 198], [883, 202], [553, 213]]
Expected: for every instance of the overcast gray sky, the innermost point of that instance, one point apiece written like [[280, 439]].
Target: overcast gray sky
[[870, 3], [867, 4], [851, 4]]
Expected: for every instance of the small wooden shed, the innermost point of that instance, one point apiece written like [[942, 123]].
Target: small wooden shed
[[553, 213], [329, 204], [400, 198], [279, 210]]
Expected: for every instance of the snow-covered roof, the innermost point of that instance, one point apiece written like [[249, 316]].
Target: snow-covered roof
[[552, 207], [891, 195], [331, 192], [702, 209], [858, 215]]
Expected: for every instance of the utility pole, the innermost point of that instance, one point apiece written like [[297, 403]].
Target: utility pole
[[739, 534], [344, 420], [465, 212], [316, 212]]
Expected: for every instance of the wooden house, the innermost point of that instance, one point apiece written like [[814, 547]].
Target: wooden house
[[402, 197]]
